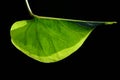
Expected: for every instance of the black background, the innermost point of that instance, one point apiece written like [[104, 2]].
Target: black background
[[100, 49]]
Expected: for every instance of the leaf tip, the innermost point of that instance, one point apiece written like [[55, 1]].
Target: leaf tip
[[109, 23]]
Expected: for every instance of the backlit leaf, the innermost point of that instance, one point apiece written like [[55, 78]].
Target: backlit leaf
[[51, 39]]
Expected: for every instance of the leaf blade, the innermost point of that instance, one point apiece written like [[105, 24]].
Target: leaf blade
[[50, 40]]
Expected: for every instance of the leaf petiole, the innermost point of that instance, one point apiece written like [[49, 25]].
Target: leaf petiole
[[28, 6]]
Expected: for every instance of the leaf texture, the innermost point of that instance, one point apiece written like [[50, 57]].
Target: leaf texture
[[50, 40]]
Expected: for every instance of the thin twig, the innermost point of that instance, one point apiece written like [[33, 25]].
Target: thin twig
[[28, 6], [30, 11]]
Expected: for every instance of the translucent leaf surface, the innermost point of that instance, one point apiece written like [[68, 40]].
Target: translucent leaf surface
[[51, 39]]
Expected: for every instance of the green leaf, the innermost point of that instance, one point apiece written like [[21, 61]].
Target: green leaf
[[51, 39]]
